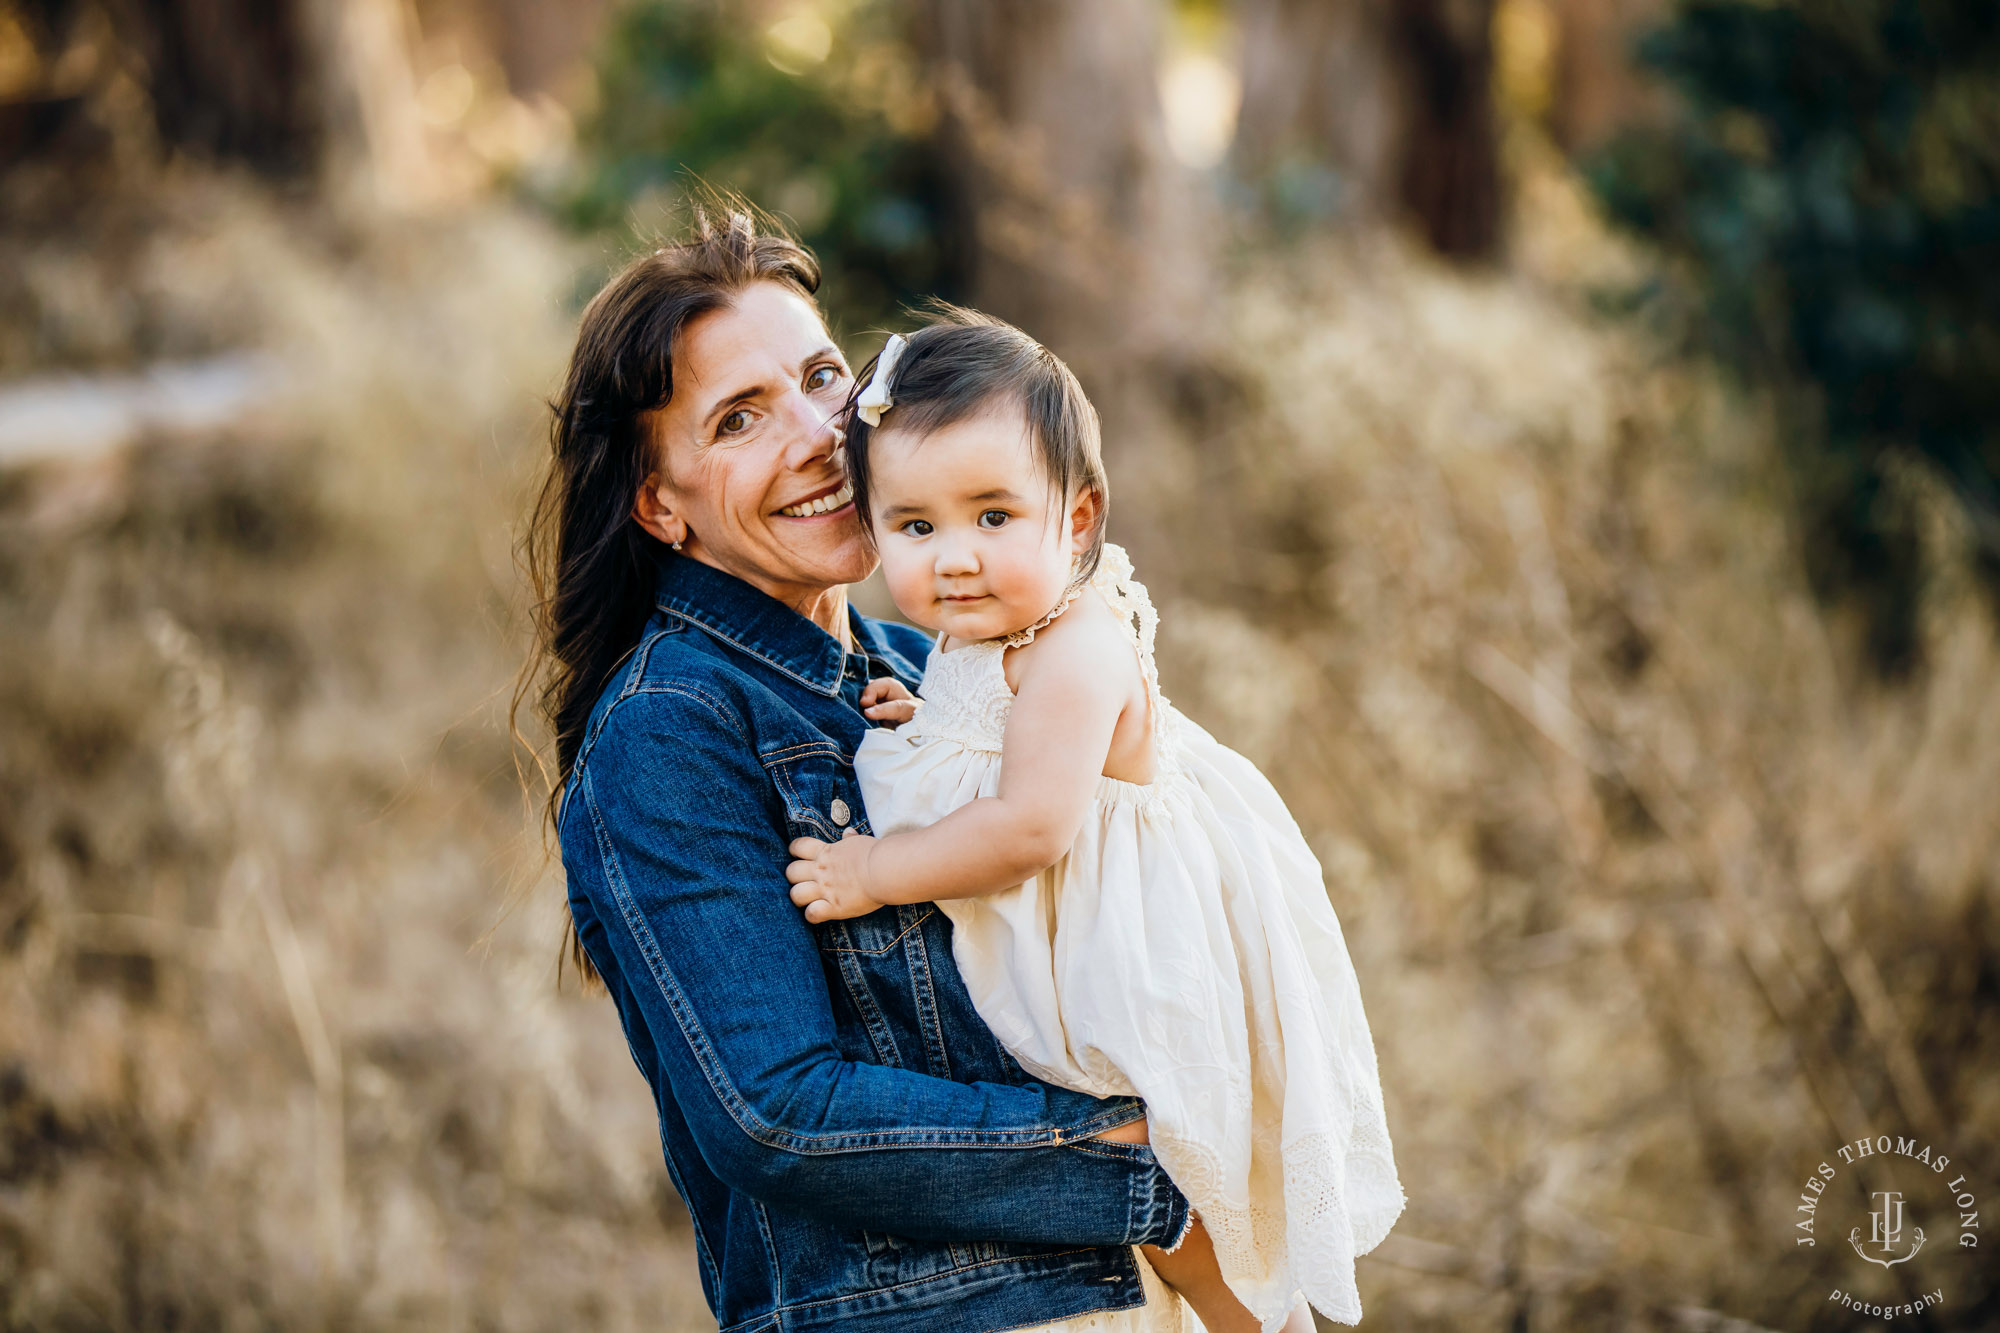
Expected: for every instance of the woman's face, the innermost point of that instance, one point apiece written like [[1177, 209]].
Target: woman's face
[[748, 474]]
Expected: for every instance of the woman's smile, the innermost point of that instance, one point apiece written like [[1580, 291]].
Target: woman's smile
[[834, 499]]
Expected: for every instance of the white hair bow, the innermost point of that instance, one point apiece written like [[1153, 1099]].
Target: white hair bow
[[875, 399]]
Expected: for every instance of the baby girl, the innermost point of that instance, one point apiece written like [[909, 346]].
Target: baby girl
[[1134, 910]]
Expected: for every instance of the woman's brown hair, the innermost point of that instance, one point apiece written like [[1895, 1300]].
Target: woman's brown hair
[[589, 562]]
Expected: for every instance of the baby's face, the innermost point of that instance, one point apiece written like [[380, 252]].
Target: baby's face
[[974, 541]]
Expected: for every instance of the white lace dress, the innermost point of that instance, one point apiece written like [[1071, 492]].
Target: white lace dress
[[1184, 951]]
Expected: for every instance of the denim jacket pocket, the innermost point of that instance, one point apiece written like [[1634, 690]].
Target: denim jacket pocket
[[823, 800], [822, 797], [871, 961]]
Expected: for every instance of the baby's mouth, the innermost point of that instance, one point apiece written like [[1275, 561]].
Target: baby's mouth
[[824, 504]]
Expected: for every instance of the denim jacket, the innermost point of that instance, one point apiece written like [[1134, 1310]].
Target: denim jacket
[[854, 1146]]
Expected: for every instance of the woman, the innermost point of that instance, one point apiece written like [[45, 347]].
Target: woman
[[855, 1148]]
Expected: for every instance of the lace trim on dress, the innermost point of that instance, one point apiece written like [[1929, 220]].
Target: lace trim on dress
[[1024, 636], [1128, 598], [966, 699]]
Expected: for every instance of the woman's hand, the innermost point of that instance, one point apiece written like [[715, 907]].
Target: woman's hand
[[888, 701], [830, 879]]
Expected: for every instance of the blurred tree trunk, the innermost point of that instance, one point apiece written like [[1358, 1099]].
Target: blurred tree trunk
[[1597, 90], [240, 81], [1450, 160], [1320, 92], [1393, 96], [236, 80], [539, 44], [380, 147], [1082, 226]]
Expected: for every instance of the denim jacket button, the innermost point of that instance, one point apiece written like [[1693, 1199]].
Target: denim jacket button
[[840, 813]]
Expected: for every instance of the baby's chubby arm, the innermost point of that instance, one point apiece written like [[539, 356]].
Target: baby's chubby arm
[[1066, 709]]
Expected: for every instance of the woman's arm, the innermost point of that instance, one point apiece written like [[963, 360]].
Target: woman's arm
[[1066, 709], [674, 835]]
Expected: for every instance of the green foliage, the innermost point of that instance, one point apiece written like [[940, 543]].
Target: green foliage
[[1833, 178], [817, 117]]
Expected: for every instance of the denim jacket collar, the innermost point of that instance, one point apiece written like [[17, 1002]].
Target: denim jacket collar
[[756, 623]]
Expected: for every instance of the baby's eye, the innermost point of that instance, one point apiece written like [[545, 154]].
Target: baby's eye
[[918, 527], [823, 377], [993, 518]]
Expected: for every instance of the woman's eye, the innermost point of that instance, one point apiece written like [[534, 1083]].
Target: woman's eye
[[822, 378], [993, 518], [734, 423]]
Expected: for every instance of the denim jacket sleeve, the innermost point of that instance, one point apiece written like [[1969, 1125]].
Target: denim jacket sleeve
[[687, 840]]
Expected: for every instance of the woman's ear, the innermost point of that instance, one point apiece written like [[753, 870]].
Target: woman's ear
[[653, 510], [1086, 515]]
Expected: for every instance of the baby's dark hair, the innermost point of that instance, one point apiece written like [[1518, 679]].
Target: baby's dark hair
[[962, 364]]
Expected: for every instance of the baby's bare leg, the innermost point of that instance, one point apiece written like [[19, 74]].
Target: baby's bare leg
[[1192, 1271]]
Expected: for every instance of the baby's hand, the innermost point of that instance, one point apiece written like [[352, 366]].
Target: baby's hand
[[830, 879], [888, 701]]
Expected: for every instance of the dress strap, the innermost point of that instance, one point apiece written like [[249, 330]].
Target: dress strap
[[1128, 598]]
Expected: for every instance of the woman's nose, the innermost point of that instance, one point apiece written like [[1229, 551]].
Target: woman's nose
[[815, 432]]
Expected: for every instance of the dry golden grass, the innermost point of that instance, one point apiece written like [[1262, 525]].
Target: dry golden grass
[[259, 810], [1653, 902]]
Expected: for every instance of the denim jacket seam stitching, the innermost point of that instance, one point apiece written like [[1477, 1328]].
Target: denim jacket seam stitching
[[589, 747], [703, 1251], [669, 989], [1138, 1205], [1172, 1243], [770, 1252], [640, 655], [795, 805], [799, 751], [935, 1277], [1085, 1145], [724, 714], [1100, 1120], [881, 1037], [929, 912], [917, 1139], [635, 675], [757, 1323], [722, 636], [917, 955], [633, 688]]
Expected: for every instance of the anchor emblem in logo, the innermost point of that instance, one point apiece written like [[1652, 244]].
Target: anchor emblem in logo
[[1886, 1230]]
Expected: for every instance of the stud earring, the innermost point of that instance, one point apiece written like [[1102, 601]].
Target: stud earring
[[676, 545]]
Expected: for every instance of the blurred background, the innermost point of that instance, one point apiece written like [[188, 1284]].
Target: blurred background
[[1563, 436]]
